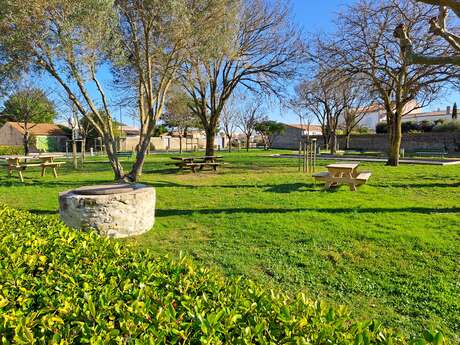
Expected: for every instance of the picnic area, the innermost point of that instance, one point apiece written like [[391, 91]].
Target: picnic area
[[388, 251]]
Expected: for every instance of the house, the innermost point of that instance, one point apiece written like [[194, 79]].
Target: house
[[432, 116], [293, 134], [375, 114], [45, 137]]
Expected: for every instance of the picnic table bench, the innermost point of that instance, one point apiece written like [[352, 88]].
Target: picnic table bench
[[343, 173], [127, 154], [19, 164], [431, 153], [195, 163]]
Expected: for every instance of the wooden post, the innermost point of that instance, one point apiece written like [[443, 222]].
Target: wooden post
[[300, 154]]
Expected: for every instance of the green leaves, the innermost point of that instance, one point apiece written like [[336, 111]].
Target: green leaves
[[61, 286]]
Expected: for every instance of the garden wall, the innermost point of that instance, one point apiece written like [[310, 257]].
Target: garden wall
[[379, 142]]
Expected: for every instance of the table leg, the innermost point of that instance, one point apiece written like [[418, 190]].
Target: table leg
[[20, 175], [55, 172], [43, 171]]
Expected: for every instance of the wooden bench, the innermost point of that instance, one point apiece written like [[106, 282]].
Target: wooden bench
[[201, 165], [51, 165]]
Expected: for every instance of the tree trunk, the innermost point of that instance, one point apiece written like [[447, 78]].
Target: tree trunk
[[210, 137], [229, 144], [180, 144], [333, 143], [110, 148], [347, 141], [395, 136], [25, 142], [83, 150], [248, 137]]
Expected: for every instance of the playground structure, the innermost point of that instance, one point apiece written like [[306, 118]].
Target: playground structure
[[307, 155]]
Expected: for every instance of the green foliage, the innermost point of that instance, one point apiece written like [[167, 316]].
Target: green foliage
[[450, 126], [269, 130], [58, 285], [11, 150], [29, 105]]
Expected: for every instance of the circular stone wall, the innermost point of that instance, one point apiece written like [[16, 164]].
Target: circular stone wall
[[117, 210]]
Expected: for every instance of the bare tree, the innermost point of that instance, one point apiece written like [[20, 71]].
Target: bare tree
[[228, 121], [327, 96], [263, 52], [364, 45], [249, 116], [437, 27]]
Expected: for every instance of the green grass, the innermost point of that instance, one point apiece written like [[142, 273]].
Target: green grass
[[390, 251]]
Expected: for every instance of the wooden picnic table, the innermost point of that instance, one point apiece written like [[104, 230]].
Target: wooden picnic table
[[20, 163], [198, 162], [343, 173]]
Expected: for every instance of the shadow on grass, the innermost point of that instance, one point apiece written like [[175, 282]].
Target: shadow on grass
[[37, 182], [419, 210], [44, 212], [419, 185]]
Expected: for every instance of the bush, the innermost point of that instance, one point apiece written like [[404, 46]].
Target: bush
[[11, 150], [381, 128], [450, 126], [410, 126], [427, 126], [62, 286]]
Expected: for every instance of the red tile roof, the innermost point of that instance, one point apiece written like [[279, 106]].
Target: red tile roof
[[45, 129], [310, 128]]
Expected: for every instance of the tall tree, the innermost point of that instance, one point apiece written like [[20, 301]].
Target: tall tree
[[263, 52], [249, 115], [178, 115], [454, 112], [437, 27], [29, 107], [365, 45]]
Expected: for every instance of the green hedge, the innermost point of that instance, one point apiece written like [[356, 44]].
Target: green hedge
[[63, 286], [11, 150]]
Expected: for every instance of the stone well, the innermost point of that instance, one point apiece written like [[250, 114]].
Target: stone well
[[116, 210]]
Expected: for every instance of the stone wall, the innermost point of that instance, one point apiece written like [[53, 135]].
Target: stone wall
[[379, 142]]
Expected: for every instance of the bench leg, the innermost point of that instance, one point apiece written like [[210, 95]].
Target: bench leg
[[43, 171], [194, 169], [55, 172], [214, 167], [353, 187], [10, 172]]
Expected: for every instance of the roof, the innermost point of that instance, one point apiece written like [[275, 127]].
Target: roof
[[45, 129], [310, 127], [429, 113]]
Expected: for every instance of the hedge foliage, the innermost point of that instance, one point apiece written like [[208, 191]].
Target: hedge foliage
[[11, 150], [62, 286]]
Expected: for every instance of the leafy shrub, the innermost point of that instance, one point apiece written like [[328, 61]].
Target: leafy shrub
[[410, 126], [427, 126], [381, 128], [62, 286], [11, 150], [450, 126]]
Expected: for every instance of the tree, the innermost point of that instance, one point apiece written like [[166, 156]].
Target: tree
[[437, 27], [327, 95], [229, 121], [29, 107], [142, 42], [269, 130], [263, 51], [178, 115], [364, 45], [248, 117], [454, 111]]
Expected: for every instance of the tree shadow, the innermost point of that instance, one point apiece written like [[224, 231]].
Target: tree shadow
[[342, 210], [419, 185], [44, 212]]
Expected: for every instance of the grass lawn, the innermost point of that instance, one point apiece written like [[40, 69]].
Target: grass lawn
[[391, 251]]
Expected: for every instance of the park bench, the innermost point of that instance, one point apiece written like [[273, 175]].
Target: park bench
[[431, 153], [339, 174], [124, 155]]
